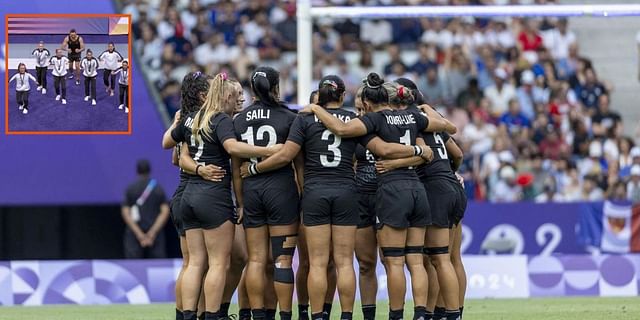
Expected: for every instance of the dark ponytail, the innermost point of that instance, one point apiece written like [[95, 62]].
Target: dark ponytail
[[373, 90], [330, 89], [264, 80]]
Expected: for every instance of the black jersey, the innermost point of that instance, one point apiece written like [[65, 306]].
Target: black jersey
[[328, 158], [396, 126], [208, 150], [74, 44], [261, 125], [439, 167], [366, 179]]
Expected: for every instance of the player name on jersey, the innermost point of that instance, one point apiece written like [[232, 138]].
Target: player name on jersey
[[400, 119], [343, 117], [258, 114], [189, 122]]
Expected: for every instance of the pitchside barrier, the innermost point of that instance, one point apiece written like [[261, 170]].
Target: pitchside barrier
[[511, 251]]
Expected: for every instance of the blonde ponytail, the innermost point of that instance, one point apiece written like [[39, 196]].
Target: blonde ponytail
[[219, 88]]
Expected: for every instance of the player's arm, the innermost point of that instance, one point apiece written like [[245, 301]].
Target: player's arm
[[81, 44], [298, 164], [15, 76], [389, 150], [31, 77], [384, 166], [243, 150], [437, 123], [353, 128], [237, 186], [167, 139], [274, 162], [65, 44], [455, 154], [208, 172], [175, 157]]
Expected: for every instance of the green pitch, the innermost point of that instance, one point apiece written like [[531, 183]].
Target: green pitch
[[548, 309]]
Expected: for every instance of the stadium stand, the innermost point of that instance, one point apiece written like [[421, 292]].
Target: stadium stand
[[535, 120]]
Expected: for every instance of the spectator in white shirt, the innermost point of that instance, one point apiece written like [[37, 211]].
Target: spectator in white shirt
[[549, 192], [500, 93], [590, 189], [242, 57], [214, 51], [506, 190], [479, 134], [559, 39], [376, 31]]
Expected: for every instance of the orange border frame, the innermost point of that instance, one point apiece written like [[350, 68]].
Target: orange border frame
[[6, 80]]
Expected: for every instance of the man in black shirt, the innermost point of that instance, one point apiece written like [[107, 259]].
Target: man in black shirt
[[604, 120], [145, 211]]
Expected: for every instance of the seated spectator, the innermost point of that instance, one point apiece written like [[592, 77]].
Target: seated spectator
[[514, 120], [573, 190], [553, 146], [457, 71], [242, 57], [479, 134], [214, 51], [559, 40], [549, 193], [226, 20], [406, 32], [432, 87], [378, 32], [288, 29], [595, 164], [500, 93], [427, 59], [529, 40], [604, 119], [269, 46], [365, 65], [530, 95], [394, 57], [589, 93], [590, 189], [633, 186], [507, 190], [469, 99]]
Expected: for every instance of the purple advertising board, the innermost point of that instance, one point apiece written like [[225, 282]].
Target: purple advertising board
[[521, 228], [80, 169], [153, 281]]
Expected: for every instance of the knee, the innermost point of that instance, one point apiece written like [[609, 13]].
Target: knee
[[367, 267], [440, 260]]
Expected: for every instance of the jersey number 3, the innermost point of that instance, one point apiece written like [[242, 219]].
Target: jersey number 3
[[334, 148]]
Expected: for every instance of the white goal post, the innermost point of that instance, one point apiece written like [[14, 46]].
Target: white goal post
[[306, 13]]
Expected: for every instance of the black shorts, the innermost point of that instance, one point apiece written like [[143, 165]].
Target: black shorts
[[461, 204], [206, 205], [273, 207], [176, 212], [443, 199], [402, 204], [367, 209], [335, 205], [74, 57]]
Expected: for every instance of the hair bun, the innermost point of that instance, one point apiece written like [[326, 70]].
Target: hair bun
[[373, 80]]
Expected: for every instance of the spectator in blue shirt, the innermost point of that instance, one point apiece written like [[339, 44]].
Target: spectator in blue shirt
[[514, 119], [424, 60], [590, 92]]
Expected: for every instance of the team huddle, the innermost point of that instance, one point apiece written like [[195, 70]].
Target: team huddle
[[259, 182], [114, 65]]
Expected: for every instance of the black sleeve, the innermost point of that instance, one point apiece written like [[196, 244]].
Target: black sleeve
[[47, 51], [364, 140], [121, 58], [370, 121], [162, 197], [421, 120], [224, 129], [296, 133], [34, 51], [177, 134], [445, 137], [129, 198]]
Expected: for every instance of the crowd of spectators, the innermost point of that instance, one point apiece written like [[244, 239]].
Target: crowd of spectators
[[534, 119]]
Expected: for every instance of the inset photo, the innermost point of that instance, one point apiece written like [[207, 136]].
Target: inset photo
[[68, 74]]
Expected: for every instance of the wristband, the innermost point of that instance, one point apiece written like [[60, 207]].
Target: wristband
[[417, 150], [253, 169], [198, 167]]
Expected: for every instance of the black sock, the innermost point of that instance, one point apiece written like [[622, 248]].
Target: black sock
[[461, 310], [211, 315], [419, 313], [452, 314], [271, 314], [428, 315], [224, 309], [438, 313], [285, 315], [317, 316], [258, 314], [346, 316], [179, 315], [369, 311], [326, 308], [189, 315], [244, 314], [396, 314], [303, 311]]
